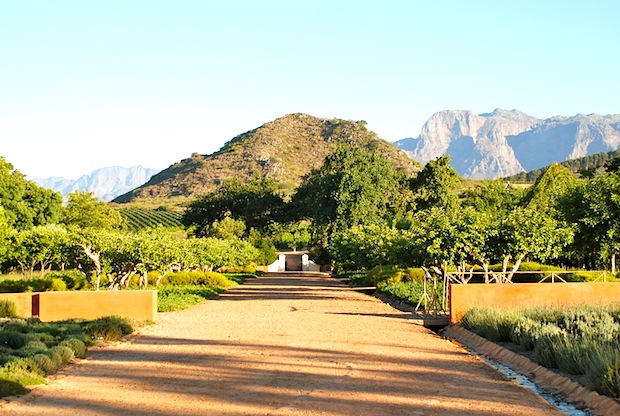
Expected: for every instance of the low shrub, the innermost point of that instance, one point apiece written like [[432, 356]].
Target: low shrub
[[110, 328], [8, 308], [24, 364], [550, 336], [32, 285], [413, 274], [408, 292], [65, 353], [491, 324], [580, 340], [380, 276], [589, 276], [45, 363], [12, 339], [356, 278], [10, 387], [76, 345], [525, 333], [589, 322], [32, 348], [603, 369], [198, 278], [74, 279]]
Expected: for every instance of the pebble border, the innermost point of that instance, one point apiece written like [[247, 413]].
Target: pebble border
[[572, 392]]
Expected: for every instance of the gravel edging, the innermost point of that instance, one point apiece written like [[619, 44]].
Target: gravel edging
[[572, 391]]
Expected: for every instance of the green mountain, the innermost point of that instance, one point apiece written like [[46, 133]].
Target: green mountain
[[590, 163], [284, 149]]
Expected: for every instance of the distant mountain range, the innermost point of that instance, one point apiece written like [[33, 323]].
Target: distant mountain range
[[505, 143], [484, 146], [106, 183]]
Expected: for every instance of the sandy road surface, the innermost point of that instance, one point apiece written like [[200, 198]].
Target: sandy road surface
[[282, 346]]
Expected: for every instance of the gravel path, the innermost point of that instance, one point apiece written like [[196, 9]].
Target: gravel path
[[281, 345]]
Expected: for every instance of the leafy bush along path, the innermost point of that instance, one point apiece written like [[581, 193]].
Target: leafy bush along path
[[282, 345]]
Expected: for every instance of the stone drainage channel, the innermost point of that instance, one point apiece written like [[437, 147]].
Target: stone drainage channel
[[565, 394], [523, 381]]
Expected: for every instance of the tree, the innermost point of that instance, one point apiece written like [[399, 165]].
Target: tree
[[25, 203], [226, 228], [493, 196], [435, 185], [42, 246], [5, 232], [529, 232], [292, 235], [257, 204], [550, 189], [595, 208], [85, 210], [352, 187]]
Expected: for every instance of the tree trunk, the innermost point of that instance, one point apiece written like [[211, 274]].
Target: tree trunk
[[95, 258], [515, 268], [613, 263]]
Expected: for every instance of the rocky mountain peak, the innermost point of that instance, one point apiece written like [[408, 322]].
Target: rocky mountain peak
[[506, 142]]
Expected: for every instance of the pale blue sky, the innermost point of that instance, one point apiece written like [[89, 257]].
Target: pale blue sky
[[89, 84]]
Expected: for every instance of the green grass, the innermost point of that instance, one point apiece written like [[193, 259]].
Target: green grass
[[407, 292], [174, 298]]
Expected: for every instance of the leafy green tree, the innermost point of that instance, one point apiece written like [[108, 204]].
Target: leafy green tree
[[530, 232], [493, 196], [436, 184], [85, 210], [226, 228], [292, 235], [595, 208], [257, 204], [266, 251], [39, 246], [5, 232], [366, 246], [551, 187], [352, 187], [612, 165], [25, 203], [87, 245]]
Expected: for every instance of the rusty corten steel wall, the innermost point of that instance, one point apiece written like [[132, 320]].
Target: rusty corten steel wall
[[58, 306], [464, 297]]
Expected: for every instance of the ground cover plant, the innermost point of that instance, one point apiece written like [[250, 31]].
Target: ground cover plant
[[582, 341], [30, 350], [181, 290], [402, 284]]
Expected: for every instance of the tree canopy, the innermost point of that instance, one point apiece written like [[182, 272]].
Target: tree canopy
[[353, 187]]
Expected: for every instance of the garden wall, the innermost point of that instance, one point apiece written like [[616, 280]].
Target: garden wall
[[464, 297], [58, 306]]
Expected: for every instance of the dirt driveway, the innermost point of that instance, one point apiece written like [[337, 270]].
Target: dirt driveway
[[282, 345]]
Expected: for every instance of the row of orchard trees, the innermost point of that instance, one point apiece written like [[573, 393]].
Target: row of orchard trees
[[118, 255], [560, 219], [363, 212], [38, 233]]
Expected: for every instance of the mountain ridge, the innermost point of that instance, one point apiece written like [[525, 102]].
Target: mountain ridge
[[507, 142], [106, 183], [284, 149]]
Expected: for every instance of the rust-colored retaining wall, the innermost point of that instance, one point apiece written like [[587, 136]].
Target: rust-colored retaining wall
[[58, 306], [24, 302], [518, 295]]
